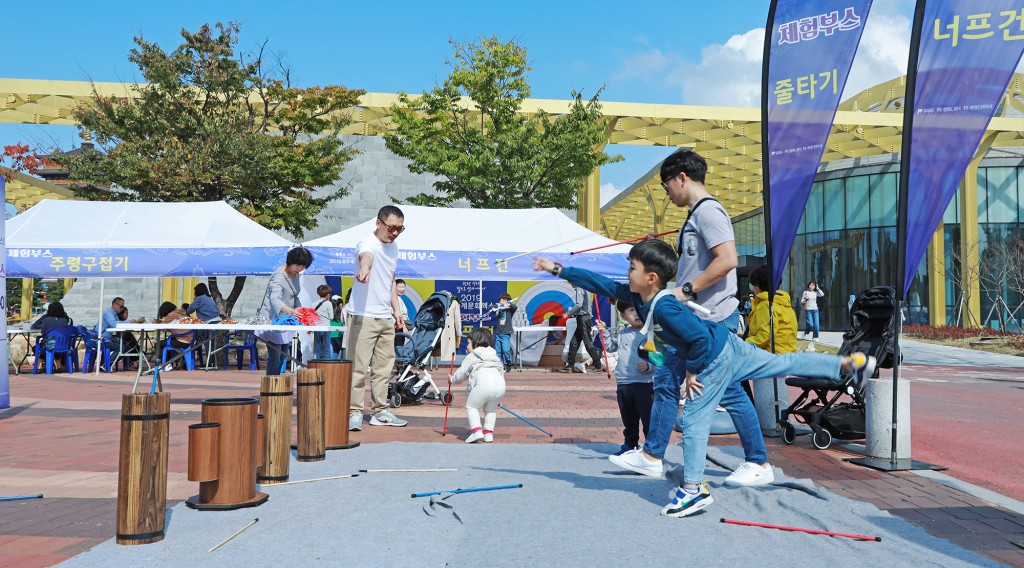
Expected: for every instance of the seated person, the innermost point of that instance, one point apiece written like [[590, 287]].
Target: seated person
[[555, 337], [203, 306], [55, 316], [110, 320], [167, 313], [128, 340]]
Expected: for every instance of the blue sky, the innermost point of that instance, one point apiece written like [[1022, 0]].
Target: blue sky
[[681, 52]]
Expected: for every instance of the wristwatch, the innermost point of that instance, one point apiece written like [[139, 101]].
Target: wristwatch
[[688, 290], [557, 269]]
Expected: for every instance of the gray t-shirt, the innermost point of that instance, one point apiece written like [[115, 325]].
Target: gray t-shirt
[[709, 226]]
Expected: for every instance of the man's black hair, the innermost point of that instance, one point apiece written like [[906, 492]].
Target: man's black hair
[[759, 277], [481, 337], [657, 257], [389, 210], [684, 161], [300, 256]]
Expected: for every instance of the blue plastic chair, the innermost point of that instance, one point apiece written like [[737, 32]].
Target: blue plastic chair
[[89, 340], [194, 349], [248, 346], [60, 340]]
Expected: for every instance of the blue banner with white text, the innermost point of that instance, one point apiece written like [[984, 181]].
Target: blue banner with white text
[[50, 262], [812, 45], [967, 55]]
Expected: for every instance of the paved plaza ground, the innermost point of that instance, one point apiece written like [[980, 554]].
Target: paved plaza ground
[[60, 438]]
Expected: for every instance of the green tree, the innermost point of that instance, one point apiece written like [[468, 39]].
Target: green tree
[[211, 123], [470, 131]]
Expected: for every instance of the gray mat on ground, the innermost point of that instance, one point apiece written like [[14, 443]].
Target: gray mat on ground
[[574, 509]]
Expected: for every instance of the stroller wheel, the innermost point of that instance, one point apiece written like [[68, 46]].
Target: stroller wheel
[[396, 400], [447, 398], [822, 438], [788, 433]]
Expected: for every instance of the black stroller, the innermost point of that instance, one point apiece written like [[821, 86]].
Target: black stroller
[[818, 406], [414, 354]]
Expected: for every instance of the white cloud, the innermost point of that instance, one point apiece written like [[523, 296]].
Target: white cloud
[[883, 52], [727, 75], [608, 191]]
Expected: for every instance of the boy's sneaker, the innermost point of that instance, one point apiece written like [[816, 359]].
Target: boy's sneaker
[[488, 436], [385, 418], [474, 437], [684, 503], [355, 422], [863, 368], [565, 369], [750, 475], [634, 460]]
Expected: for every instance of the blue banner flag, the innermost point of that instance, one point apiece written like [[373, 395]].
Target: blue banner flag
[[967, 51], [53, 262], [809, 47]]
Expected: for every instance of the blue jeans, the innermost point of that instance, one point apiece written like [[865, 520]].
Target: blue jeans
[[667, 380], [739, 361], [813, 322], [503, 345], [322, 345]]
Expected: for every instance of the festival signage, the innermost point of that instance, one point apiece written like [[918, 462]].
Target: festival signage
[[809, 48], [967, 51]]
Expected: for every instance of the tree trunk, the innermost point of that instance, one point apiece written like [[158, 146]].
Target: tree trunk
[[225, 305]]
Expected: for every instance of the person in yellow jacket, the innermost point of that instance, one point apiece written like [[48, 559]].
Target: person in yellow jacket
[[782, 308]]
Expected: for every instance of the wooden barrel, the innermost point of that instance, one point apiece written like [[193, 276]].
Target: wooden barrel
[[337, 395], [276, 405], [142, 469], [237, 456], [310, 423]]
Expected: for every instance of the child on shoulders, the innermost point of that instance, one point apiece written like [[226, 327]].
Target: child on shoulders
[[485, 376], [712, 357]]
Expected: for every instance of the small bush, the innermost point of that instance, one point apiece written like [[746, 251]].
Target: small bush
[[947, 333]]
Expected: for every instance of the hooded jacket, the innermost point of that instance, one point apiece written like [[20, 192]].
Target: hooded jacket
[[482, 361], [785, 323]]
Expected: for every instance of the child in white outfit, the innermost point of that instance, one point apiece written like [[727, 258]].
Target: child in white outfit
[[486, 375]]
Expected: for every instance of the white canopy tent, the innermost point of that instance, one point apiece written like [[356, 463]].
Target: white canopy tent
[[466, 244]]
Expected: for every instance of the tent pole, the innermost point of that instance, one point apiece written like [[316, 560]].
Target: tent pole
[[99, 326]]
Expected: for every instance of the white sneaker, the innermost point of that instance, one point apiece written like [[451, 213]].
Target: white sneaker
[[385, 418], [635, 461], [488, 436], [750, 475], [863, 368], [475, 437], [355, 422]]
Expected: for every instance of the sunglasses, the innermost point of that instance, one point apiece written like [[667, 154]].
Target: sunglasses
[[393, 228]]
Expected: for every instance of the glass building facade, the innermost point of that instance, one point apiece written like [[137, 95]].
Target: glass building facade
[[846, 242]]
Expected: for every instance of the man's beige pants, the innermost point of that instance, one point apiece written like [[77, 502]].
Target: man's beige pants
[[372, 341]]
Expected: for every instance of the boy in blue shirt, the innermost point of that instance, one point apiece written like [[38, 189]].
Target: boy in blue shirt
[[634, 378], [713, 357]]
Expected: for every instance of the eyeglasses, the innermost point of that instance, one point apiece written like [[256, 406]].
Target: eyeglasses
[[665, 183], [393, 228]]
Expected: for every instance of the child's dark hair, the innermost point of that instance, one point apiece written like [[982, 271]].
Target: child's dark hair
[[324, 290], [622, 306], [759, 277], [657, 257], [481, 337], [505, 296]]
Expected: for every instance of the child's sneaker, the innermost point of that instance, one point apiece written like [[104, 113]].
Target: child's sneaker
[[488, 436], [634, 460], [863, 368], [474, 436], [684, 503], [750, 474]]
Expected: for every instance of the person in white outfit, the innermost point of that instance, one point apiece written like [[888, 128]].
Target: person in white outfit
[[485, 374], [809, 300]]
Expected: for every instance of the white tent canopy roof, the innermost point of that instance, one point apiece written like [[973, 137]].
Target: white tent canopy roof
[[115, 224], [483, 230]]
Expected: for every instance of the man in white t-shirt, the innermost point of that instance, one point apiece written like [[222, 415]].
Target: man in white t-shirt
[[374, 315]]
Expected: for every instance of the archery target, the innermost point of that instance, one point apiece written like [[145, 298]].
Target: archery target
[[545, 299]]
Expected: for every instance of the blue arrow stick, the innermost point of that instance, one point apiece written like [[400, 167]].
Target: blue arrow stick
[[473, 490], [525, 420]]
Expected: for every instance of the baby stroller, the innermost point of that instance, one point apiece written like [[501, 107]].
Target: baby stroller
[[413, 355], [818, 406]]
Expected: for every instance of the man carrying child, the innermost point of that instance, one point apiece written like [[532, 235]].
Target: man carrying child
[[713, 357]]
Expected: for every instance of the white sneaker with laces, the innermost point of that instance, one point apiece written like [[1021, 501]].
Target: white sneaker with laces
[[488, 436], [355, 422], [385, 418], [473, 437], [750, 475], [863, 367], [634, 460]]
